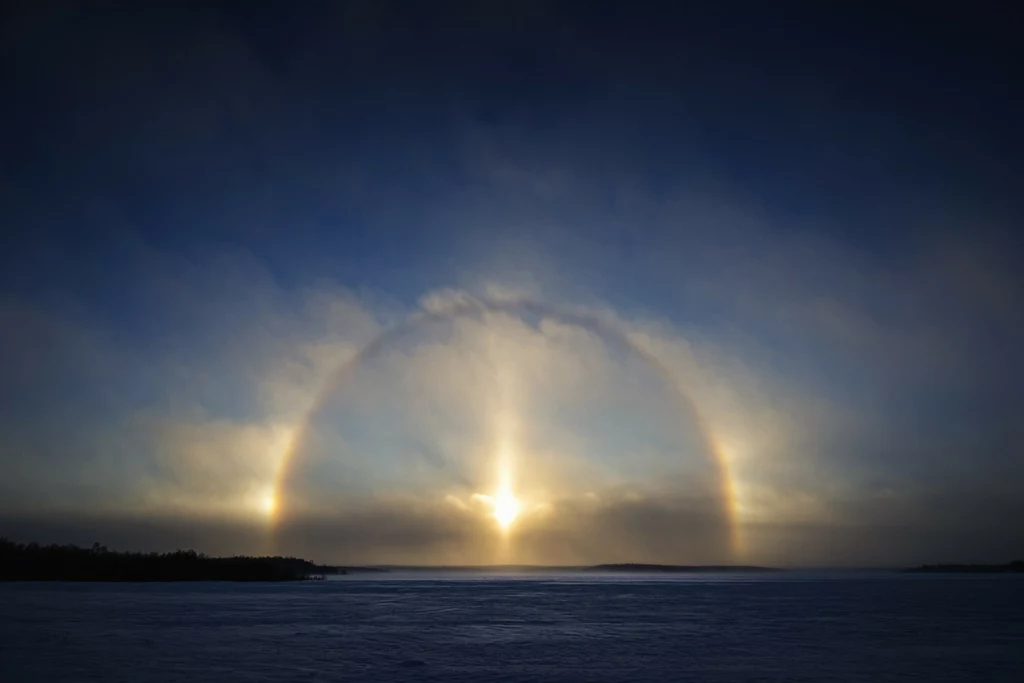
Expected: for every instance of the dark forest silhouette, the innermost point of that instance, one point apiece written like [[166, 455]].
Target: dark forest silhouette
[[34, 562]]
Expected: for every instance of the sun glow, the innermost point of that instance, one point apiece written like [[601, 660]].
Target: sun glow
[[504, 506], [506, 509], [268, 503]]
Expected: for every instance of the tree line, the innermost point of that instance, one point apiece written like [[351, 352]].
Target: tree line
[[34, 562]]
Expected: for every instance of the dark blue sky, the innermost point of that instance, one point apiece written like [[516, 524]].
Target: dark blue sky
[[325, 138], [828, 197]]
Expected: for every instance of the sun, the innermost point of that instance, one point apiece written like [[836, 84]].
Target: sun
[[506, 509]]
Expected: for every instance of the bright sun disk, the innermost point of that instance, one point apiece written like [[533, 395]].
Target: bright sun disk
[[506, 509]]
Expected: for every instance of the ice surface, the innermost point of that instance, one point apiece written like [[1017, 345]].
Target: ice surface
[[843, 627]]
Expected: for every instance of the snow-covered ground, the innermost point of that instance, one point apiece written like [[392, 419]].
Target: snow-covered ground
[[548, 628]]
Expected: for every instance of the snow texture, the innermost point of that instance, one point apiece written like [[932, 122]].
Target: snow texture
[[433, 627]]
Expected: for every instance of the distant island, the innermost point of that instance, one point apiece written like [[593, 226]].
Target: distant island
[[1015, 567], [676, 569], [345, 569], [34, 562], [597, 568]]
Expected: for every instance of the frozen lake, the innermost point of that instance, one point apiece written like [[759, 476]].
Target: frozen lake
[[433, 627]]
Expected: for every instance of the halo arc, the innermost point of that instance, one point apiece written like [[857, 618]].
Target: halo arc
[[467, 307]]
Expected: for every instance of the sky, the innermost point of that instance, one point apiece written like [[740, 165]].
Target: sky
[[513, 282]]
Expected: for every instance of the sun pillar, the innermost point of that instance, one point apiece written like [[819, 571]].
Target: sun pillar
[[505, 444], [506, 507]]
